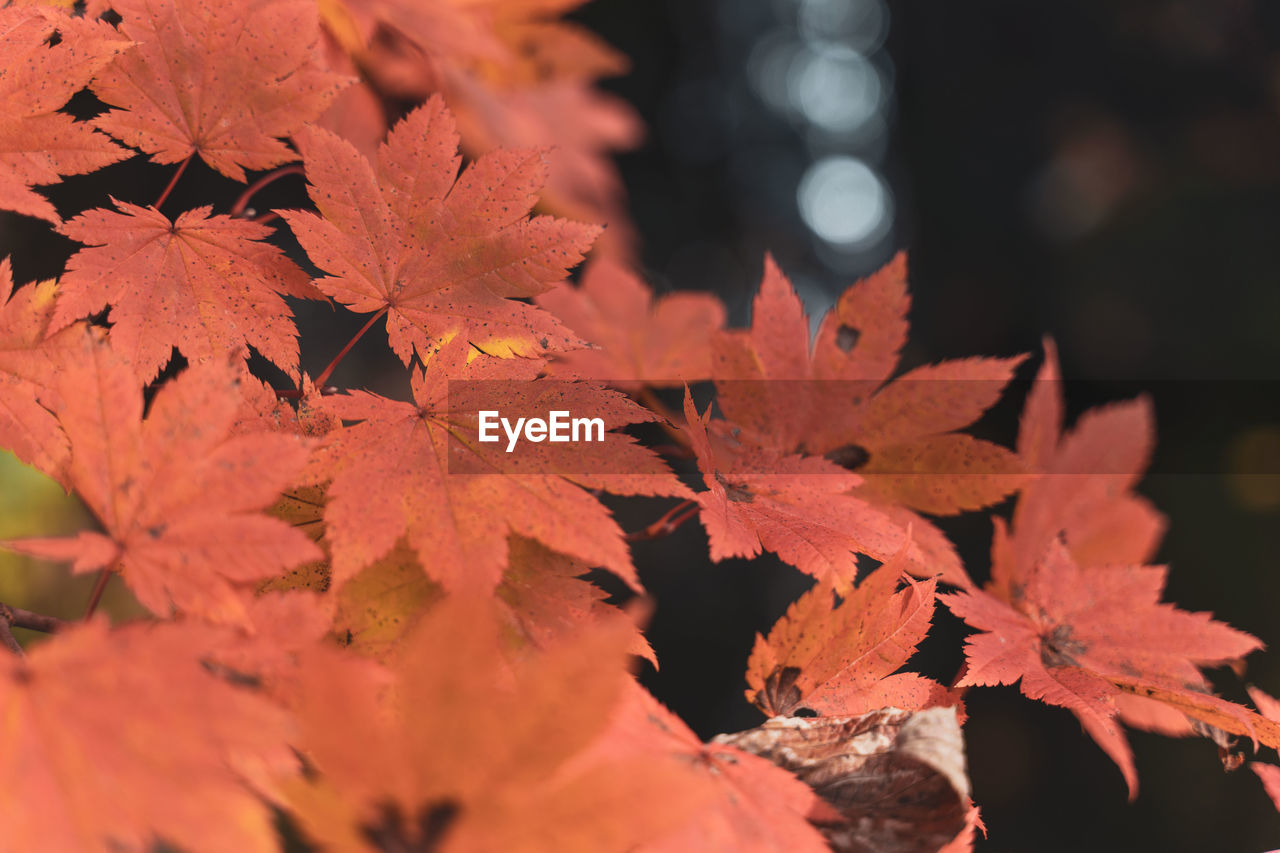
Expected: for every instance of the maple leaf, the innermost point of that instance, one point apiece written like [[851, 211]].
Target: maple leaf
[[640, 341], [1084, 491], [899, 436], [29, 362], [800, 508], [40, 144], [543, 599], [418, 470], [382, 602], [101, 724], [515, 76], [176, 497], [204, 284], [1269, 774], [1071, 634], [838, 660], [746, 803], [222, 79], [439, 253], [470, 752]]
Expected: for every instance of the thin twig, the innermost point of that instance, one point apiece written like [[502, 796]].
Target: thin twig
[[242, 203], [173, 182], [328, 371], [32, 621], [668, 523], [7, 639], [96, 595]]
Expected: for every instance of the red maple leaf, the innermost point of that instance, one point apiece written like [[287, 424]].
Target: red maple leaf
[[222, 78], [29, 363], [1084, 491], [744, 802], [205, 284], [123, 739], [1079, 637], [831, 400], [177, 497], [473, 748], [638, 341], [417, 469], [39, 144], [839, 660], [799, 507], [443, 255]]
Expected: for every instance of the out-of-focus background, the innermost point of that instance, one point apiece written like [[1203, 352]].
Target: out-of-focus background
[[1106, 172]]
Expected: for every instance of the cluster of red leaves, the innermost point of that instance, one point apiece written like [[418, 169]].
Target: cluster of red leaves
[[371, 625]]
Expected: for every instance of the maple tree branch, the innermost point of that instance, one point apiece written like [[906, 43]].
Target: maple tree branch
[[19, 618], [242, 203], [328, 371], [668, 523], [7, 637], [96, 595], [173, 182]]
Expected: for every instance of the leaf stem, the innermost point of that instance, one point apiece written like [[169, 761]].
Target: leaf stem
[[328, 371], [668, 523], [242, 203], [173, 182], [96, 596], [670, 420]]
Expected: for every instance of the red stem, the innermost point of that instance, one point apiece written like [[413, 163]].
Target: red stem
[[242, 203], [668, 524], [328, 371], [173, 182], [96, 595]]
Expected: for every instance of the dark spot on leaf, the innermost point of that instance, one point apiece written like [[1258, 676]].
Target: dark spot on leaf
[[391, 832], [847, 337], [780, 694], [851, 456], [1059, 649], [735, 493]]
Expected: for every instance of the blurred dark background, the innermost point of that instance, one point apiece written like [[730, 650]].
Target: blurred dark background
[[1107, 173]]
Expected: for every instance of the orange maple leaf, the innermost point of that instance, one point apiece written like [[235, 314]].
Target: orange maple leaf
[[639, 341], [177, 497], [205, 284], [515, 75], [29, 362], [1085, 489], [40, 144], [221, 78], [900, 437], [468, 751], [745, 802], [839, 660], [799, 507], [440, 257], [122, 739], [417, 469], [1079, 637]]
